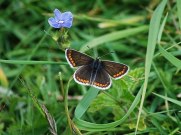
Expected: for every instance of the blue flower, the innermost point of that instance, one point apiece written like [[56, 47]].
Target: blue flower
[[61, 19]]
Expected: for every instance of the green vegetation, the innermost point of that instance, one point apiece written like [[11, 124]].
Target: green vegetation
[[38, 94]]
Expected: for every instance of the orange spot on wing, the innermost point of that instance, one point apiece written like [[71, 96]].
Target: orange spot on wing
[[101, 85], [82, 80], [71, 59], [120, 73]]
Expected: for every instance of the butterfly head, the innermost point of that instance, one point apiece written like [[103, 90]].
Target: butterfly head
[[96, 64]]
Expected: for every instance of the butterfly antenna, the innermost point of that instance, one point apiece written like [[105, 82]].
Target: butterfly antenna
[[106, 54], [93, 51]]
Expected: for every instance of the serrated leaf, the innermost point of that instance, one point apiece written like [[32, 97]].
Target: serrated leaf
[[134, 78], [142, 126], [118, 113], [102, 101], [120, 95], [120, 91]]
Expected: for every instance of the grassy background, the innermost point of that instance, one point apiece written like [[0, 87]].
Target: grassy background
[[143, 36]]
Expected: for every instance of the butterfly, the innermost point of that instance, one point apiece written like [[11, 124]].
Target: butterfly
[[94, 72]]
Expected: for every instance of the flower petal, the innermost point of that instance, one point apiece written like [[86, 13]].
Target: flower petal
[[53, 23], [67, 24], [51, 20], [61, 19], [57, 14], [67, 16]]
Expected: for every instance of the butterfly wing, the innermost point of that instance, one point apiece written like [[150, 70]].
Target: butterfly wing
[[82, 75], [76, 58], [102, 80], [115, 70], [86, 76]]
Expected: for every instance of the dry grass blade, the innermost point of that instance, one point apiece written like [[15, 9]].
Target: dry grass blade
[[51, 121]]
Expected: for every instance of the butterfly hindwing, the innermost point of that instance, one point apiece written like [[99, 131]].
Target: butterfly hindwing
[[115, 70], [82, 75], [102, 80], [76, 58], [85, 75]]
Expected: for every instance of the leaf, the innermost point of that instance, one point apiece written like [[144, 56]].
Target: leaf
[[156, 123], [172, 59], [28, 62], [142, 125], [169, 99], [89, 126], [112, 37], [152, 39], [3, 79], [51, 120], [179, 11], [118, 112], [119, 97], [85, 102], [134, 78], [120, 91]]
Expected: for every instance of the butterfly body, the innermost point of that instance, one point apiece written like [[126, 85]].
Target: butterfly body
[[94, 72], [96, 66]]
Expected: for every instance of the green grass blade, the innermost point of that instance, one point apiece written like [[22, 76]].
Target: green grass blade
[[162, 28], [161, 77], [179, 11], [172, 59], [169, 99], [158, 126], [88, 126], [29, 58], [85, 102], [33, 97], [113, 36], [26, 62], [152, 39]]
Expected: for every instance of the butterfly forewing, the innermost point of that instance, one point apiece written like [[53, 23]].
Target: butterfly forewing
[[76, 58], [115, 70]]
